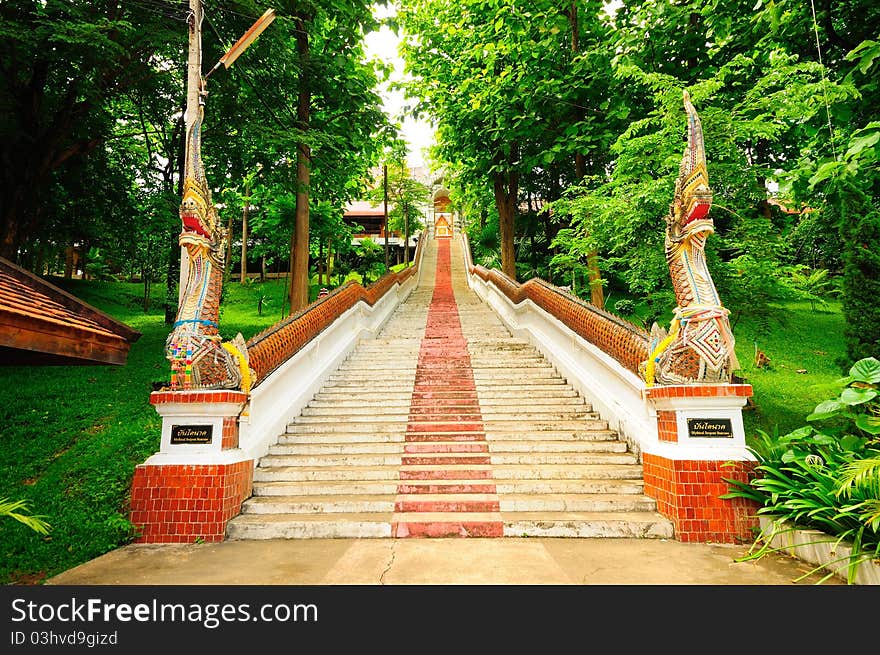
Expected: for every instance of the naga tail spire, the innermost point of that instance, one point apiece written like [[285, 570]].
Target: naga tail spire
[[693, 197], [699, 347]]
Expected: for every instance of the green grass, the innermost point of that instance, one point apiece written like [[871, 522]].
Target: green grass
[[72, 436], [798, 339]]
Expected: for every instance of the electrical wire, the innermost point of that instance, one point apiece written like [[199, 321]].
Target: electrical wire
[[824, 80]]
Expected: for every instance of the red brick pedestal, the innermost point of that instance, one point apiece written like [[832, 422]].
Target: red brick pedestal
[[701, 443], [197, 481]]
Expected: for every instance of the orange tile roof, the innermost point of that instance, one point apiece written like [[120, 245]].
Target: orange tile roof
[[43, 324]]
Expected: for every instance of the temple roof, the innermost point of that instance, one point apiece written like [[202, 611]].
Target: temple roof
[[42, 324], [365, 208]]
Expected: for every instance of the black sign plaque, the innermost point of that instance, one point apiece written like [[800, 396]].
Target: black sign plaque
[[191, 434], [710, 428]]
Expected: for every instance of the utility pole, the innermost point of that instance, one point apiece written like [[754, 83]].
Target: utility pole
[[385, 229], [193, 88]]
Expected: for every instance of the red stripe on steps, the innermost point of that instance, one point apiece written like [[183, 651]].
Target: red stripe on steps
[[447, 506], [445, 408], [448, 529]]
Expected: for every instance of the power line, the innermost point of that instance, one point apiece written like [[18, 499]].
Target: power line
[[824, 80]]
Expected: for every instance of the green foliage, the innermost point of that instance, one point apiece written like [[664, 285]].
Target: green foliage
[[18, 510], [370, 256], [823, 475]]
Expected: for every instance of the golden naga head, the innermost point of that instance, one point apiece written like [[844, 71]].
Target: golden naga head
[[201, 230], [693, 197]]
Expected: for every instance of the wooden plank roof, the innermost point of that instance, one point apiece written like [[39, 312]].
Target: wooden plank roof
[[42, 324]]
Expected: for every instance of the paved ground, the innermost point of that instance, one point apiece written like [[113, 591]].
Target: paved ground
[[473, 561]]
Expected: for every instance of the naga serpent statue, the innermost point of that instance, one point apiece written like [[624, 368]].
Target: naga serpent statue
[[699, 347], [199, 359]]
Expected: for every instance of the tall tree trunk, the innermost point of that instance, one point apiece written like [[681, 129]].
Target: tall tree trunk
[[385, 210], [299, 251], [320, 263], [244, 233], [227, 270], [329, 265], [68, 262], [597, 293], [172, 276], [405, 235], [506, 187], [580, 163]]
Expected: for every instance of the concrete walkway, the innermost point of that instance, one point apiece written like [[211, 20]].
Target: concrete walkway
[[472, 561]]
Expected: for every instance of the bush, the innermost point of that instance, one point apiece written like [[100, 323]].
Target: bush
[[826, 475]]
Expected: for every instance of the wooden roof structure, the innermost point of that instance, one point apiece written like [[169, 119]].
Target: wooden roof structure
[[41, 324]]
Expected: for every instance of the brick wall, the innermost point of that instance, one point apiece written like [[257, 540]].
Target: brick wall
[[179, 503], [688, 492]]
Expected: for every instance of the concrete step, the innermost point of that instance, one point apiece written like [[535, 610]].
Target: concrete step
[[362, 396], [524, 486], [352, 473], [643, 525], [300, 426], [343, 438], [368, 403], [363, 393], [386, 416], [347, 503], [447, 524], [577, 502], [331, 459], [389, 368], [351, 448], [439, 374], [550, 446], [510, 435], [403, 403], [310, 526], [290, 455], [567, 471], [492, 424], [325, 488], [375, 388]]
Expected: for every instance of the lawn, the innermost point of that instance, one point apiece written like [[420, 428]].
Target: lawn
[[804, 347], [73, 435]]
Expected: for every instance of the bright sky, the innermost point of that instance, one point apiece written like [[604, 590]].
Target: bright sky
[[418, 134]]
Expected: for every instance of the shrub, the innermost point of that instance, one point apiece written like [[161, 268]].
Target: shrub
[[826, 475]]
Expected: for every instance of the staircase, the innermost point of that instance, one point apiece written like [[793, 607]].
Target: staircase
[[446, 425]]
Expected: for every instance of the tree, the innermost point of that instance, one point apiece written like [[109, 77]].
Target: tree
[[406, 196], [501, 80], [65, 67]]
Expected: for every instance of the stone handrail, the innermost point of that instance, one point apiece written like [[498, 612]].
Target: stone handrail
[[270, 348], [623, 341]]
